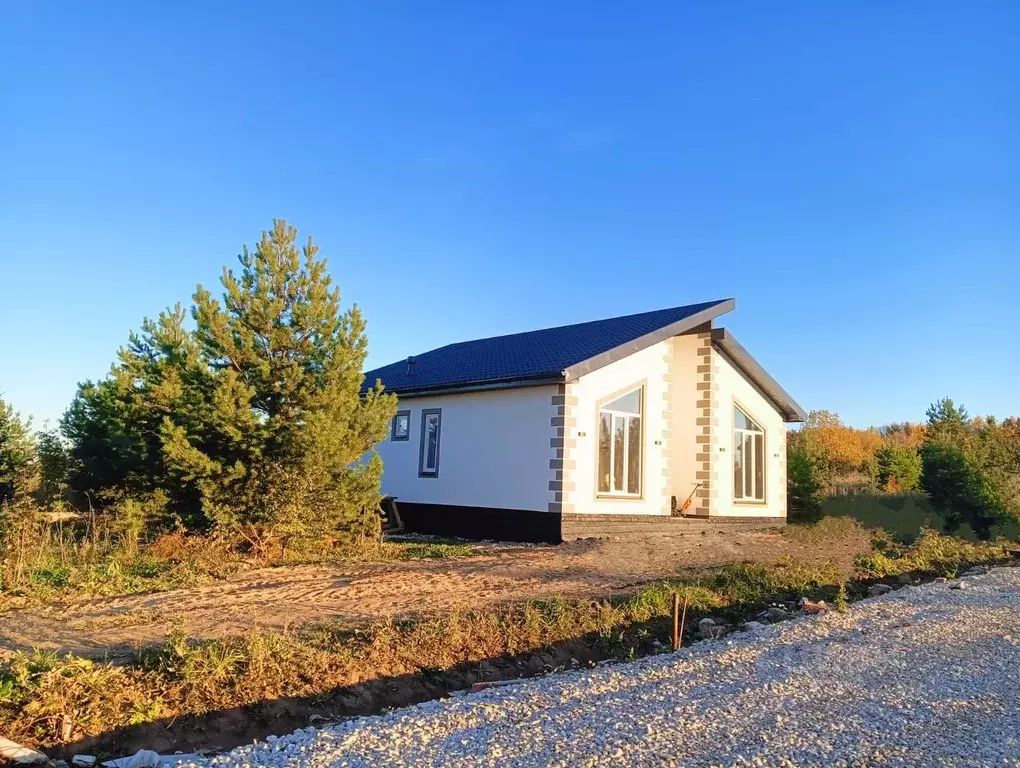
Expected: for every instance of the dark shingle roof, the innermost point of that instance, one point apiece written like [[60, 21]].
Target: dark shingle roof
[[535, 355]]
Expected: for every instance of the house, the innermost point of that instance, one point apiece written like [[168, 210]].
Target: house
[[600, 427]]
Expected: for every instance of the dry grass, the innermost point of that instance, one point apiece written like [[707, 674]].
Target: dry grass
[[46, 700], [43, 562]]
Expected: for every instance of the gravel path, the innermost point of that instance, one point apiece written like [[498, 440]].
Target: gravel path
[[922, 676]]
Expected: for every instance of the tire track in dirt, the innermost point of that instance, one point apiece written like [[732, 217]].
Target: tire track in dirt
[[288, 597]]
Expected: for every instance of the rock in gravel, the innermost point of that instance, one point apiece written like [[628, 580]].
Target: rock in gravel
[[710, 629], [879, 589], [15, 754], [776, 613], [957, 584], [754, 626], [169, 761], [83, 761], [923, 677], [143, 758]]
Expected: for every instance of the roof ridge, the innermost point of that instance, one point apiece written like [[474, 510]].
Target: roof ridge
[[583, 322]]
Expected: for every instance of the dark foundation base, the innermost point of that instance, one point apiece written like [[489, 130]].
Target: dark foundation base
[[480, 522]]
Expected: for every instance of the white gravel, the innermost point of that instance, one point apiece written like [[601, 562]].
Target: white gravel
[[921, 676]]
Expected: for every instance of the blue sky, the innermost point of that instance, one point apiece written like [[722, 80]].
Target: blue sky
[[852, 178]]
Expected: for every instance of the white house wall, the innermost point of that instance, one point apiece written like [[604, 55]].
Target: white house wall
[[651, 368], [685, 394], [733, 389], [690, 389], [494, 451]]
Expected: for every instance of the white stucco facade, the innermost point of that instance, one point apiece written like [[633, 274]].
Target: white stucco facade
[[648, 369], [735, 389], [494, 450]]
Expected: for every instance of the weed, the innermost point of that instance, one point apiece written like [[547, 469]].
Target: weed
[[842, 599]]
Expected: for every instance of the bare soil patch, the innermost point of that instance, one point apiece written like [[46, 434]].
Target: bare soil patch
[[287, 597]]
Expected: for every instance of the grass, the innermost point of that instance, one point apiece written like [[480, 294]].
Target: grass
[[902, 516], [46, 700], [64, 564]]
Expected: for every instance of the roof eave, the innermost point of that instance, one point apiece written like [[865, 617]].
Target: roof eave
[[785, 404], [517, 382], [603, 359]]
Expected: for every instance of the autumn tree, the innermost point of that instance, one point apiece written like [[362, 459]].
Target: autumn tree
[[903, 435], [843, 455]]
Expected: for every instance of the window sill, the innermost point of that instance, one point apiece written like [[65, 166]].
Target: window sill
[[745, 503], [617, 497]]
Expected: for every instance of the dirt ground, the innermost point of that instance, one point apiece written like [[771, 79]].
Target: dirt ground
[[278, 598]]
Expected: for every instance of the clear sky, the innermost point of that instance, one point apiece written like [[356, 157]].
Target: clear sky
[[849, 172]]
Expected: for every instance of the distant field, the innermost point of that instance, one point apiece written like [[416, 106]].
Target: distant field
[[901, 515]]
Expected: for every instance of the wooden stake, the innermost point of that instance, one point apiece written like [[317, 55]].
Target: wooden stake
[[683, 616], [676, 620]]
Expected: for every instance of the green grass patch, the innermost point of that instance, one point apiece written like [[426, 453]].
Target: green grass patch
[[426, 550], [902, 516]]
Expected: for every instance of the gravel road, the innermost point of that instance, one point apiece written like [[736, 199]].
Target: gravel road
[[923, 676]]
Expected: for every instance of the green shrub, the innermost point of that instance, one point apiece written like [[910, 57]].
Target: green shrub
[[932, 553], [959, 490], [803, 485], [899, 469]]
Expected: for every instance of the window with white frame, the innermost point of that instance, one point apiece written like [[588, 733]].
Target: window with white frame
[[619, 459], [428, 450], [748, 458]]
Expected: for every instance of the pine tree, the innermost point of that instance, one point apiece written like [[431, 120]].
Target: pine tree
[[54, 466], [16, 451], [279, 454], [947, 424]]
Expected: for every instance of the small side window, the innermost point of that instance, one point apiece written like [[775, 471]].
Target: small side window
[[400, 429], [428, 450]]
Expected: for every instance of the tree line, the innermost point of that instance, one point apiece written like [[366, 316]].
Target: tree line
[[969, 467], [243, 416]]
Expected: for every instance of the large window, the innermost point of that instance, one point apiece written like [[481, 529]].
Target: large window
[[748, 458], [620, 445], [428, 450]]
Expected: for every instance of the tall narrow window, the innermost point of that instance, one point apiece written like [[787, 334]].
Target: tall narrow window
[[748, 458], [619, 454], [428, 450]]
